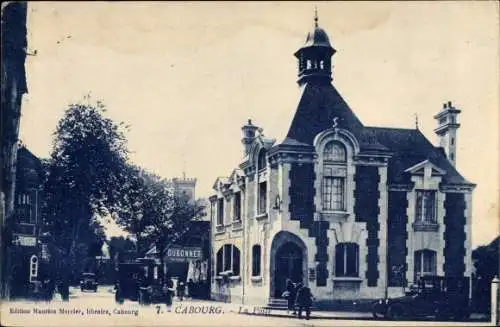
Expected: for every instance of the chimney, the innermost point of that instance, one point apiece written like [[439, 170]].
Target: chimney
[[248, 135], [446, 130]]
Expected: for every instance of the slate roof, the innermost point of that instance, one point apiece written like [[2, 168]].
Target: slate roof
[[320, 103], [317, 107], [410, 147]]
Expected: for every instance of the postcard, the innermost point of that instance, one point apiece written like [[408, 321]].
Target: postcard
[[250, 163]]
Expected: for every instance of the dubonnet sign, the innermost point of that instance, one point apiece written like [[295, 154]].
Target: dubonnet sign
[[184, 254]]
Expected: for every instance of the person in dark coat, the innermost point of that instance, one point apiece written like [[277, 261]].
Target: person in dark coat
[[190, 288], [304, 301], [290, 292], [169, 293], [181, 289]]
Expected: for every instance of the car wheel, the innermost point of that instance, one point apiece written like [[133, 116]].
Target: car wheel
[[395, 313]]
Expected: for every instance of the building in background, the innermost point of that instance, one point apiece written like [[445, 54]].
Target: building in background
[[188, 257], [352, 211], [26, 248]]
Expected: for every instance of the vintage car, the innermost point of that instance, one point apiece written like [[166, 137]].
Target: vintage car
[[441, 298], [88, 282], [140, 281]]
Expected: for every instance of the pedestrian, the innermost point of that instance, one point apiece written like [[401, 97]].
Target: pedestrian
[[289, 295], [190, 288], [304, 301], [169, 293], [181, 289]]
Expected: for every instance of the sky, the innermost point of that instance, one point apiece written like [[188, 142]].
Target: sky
[[187, 75]]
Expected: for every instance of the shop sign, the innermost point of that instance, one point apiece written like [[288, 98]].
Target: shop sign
[[184, 253], [26, 240]]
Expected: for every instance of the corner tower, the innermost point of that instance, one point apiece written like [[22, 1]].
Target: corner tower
[[315, 57]]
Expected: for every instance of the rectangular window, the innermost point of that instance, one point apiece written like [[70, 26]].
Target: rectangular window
[[346, 260], [333, 193], [237, 206], [425, 211], [220, 212], [256, 249], [425, 263], [25, 208], [262, 198]]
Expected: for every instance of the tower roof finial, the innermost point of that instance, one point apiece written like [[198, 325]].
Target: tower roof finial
[[315, 16], [416, 121]]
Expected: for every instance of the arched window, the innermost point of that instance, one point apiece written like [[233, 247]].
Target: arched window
[[334, 175], [334, 151], [347, 260], [256, 260], [425, 263], [309, 64], [322, 64], [261, 161], [228, 260]]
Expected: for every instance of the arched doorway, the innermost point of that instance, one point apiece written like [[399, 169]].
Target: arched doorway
[[288, 266], [288, 261]]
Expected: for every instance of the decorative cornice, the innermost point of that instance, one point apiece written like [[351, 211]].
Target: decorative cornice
[[464, 188], [400, 187]]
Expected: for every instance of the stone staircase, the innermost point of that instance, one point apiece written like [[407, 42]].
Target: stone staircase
[[277, 304]]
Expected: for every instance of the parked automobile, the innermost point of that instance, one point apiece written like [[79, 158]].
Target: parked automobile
[[139, 280], [438, 297], [88, 282]]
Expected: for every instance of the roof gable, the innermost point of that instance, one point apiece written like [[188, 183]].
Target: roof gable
[[419, 169]]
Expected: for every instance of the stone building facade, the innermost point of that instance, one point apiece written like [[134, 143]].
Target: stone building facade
[[352, 211]]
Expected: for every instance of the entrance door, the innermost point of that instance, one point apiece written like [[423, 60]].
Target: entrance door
[[288, 266]]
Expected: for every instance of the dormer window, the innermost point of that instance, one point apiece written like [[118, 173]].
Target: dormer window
[[261, 161], [220, 212], [237, 206]]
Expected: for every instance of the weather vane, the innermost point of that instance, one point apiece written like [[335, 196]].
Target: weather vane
[[315, 16], [335, 124]]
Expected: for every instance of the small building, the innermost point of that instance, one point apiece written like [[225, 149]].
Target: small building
[[352, 211]]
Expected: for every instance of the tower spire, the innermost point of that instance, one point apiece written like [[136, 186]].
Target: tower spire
[[315, 16]]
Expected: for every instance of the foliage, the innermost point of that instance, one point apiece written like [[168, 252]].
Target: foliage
[[153, 212], [83, 173], [486, 260]]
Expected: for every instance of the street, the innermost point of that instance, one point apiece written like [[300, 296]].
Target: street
[[99, 309]]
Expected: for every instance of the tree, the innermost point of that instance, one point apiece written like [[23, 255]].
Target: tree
[[155, 215], [84, 172], [486, 266]]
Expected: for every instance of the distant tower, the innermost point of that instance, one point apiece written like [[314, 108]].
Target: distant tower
[[185, 187], [248, 135], [447, 130], [315, 57]]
